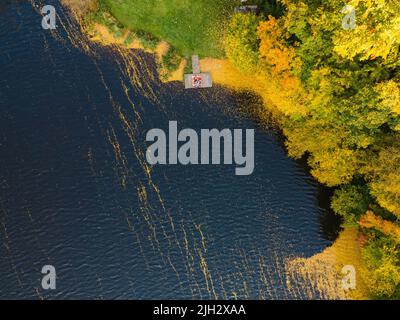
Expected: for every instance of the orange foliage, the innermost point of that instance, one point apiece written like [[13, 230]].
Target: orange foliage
[[370, 220], [279, 60], [273, 48]]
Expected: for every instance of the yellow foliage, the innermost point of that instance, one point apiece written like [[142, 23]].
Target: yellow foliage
[[377, 33], [280, 59], [384, 176], [334, 167], [273, 48], [370, 220], [389, 92], [268, 87]]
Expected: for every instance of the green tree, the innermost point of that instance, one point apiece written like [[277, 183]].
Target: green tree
[[382, 268], [377, 34], [383, 173], [351, 201], [241, 41]]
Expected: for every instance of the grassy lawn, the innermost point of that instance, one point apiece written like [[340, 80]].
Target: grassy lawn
[[188, 25]]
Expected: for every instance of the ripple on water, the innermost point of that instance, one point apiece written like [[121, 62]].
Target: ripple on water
[[76, 191]]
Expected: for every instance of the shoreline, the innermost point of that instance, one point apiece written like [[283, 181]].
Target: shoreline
[[322, 269]]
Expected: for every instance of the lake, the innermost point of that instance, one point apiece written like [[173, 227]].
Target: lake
[[77, 193]]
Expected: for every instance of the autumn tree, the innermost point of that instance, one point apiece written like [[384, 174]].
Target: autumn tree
[[241, 41], [339, 84], [376, 34], [383, 173]]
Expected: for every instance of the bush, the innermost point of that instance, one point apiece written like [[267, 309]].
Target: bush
[[171, 60], [103, 16], [351, 202], [147, 40], [130, 38]]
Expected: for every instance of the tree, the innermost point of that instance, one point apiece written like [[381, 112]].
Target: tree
[[278, 61], [351, 201], [340, 92], [273, 48], [241, 42], [377, 34], [383, 173], [382, 269]]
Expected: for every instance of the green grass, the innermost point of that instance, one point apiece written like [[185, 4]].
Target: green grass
[[103, 16], [190, 26]]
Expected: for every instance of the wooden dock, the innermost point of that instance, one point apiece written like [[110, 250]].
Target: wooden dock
[[195, 64], [197, 80]]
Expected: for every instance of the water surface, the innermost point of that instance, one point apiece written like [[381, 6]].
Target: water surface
[[77, 193]]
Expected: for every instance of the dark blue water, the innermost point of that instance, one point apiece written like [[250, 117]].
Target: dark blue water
[[76, 192]]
